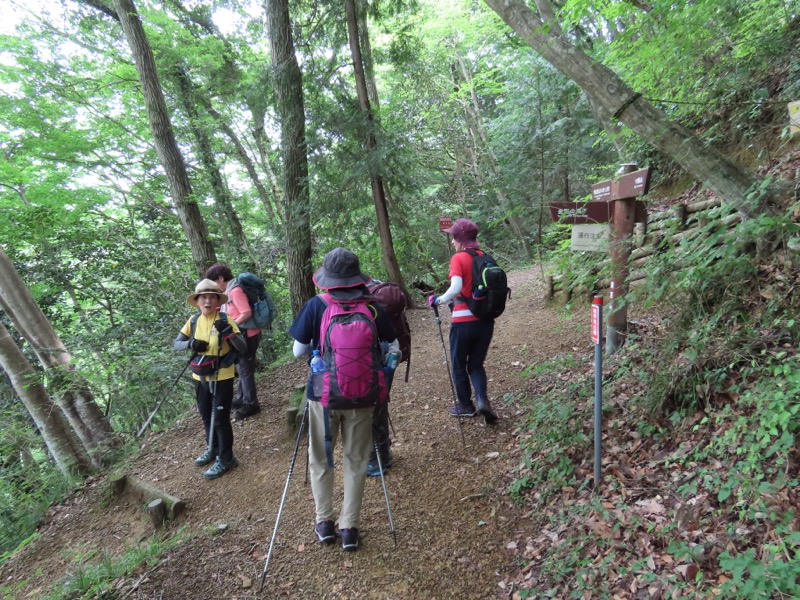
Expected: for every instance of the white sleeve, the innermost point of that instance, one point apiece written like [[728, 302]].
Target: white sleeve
[[456, 283], [300, 349]]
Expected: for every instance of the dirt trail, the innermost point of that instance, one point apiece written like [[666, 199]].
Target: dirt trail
[[453, 519]]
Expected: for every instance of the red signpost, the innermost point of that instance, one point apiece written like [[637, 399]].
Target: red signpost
[[446, 223], [597, 307], [597, 340]]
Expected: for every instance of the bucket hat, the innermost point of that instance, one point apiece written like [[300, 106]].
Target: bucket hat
[[465, 232], [340, 269], [206, 286]]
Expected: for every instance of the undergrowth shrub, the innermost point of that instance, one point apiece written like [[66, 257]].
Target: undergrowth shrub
[[712, 387], [550, 436], [29, 481]]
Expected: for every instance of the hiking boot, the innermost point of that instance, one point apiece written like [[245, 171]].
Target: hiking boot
[[247, 410], [489, 416], [462, 411], [374, 469], [220, 468], [236, 404], [326, 532], [349, 539], [206, 457]]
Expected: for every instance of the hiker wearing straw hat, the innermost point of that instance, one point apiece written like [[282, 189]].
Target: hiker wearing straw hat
[[214, 338]]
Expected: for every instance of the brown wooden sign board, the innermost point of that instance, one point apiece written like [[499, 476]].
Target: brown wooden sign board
[[629, 185], [580, 213], [445, 223]]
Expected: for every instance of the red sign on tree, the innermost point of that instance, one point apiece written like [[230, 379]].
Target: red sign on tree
[[445, 223]]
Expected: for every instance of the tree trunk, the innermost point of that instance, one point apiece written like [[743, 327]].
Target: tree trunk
[[247, 162], [164, 138], [291, 109], [614, 96], [366, 55], [222, 195], [378, 192], [69, 456], [71, 392]]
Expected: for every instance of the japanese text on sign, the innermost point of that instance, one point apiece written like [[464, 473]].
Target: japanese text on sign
[[590, 238], [595, 324]]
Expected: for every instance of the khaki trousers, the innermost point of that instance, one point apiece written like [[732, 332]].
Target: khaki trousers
[[355, 428]]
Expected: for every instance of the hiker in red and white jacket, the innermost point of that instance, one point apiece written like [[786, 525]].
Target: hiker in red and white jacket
[[238, 307], [341, 276], [469, 336]]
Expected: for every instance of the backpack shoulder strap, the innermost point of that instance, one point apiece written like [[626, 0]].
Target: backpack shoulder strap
[[193, 322]]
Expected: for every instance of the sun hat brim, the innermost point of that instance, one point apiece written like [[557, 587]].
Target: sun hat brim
[[325, 281]]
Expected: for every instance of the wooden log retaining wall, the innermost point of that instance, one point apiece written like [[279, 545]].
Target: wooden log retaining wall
[[664, 230]]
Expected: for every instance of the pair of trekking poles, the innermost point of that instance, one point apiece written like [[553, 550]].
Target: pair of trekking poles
[[377, 454], [289, 478]]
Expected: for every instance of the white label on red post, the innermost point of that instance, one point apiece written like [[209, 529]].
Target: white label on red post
[[595, 323]]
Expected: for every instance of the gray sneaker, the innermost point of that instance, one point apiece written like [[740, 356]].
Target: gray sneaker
[[220, 468], [206, 457], [462, 411]]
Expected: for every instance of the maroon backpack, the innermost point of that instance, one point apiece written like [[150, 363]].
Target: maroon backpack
[[393, 300]]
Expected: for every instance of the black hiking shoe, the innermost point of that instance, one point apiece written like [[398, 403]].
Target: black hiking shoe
[[236, 404], [350, 539], [489, 416], [220, 468], [326, 532], [247, 410], [462, 411], [206, 457]]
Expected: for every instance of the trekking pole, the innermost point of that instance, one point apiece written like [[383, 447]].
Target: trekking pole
[[283, 498], [213, 391], [449, 373], [164, 397], [308, 444], [385, 491]]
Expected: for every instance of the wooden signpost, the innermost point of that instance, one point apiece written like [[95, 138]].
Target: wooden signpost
[[622, 192], [613, 201]]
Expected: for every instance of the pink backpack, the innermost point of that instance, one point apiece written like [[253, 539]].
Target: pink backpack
[[350, 347]]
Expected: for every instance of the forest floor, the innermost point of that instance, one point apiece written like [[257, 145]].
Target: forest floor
[[457, 530]]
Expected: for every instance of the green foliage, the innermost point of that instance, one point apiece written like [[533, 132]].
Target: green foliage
[[93, 574], [547, 464], [29, 481]]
